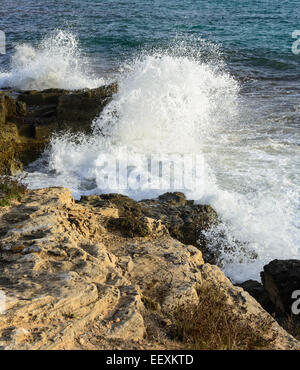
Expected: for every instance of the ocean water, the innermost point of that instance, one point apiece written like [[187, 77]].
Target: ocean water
[[216, 80]]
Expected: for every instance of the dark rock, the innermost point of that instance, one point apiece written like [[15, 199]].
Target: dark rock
[[2, 110], [257, 291], [39, 98], [280, 279], [9, 162], [83, 106], [10, 108], [14, 108], [131, 220], [122, 202], [176, 198], [61, 109], [184, 220], [28, 121]]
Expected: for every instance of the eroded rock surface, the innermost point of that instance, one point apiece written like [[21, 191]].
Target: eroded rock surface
[[185, 220], [72, 281]]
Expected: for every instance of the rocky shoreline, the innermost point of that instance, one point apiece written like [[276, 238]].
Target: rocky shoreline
[[107, 272], [74, 280], [28, 119]]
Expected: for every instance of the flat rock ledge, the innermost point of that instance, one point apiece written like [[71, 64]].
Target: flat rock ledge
[[72, 281]]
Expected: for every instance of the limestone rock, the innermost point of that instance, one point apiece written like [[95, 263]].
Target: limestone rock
[[72, 282], [246, 309], [10, 108], [183, 219]]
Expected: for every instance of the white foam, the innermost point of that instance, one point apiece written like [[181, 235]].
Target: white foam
[[56, 62], [179, 104]]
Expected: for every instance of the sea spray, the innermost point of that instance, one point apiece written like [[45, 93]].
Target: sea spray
[[56, 62], [184, 104]]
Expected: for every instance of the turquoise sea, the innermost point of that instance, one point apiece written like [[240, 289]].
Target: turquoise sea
[[255, 35]]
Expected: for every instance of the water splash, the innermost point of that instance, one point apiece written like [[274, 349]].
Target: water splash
[[177, 102], [56, 62]]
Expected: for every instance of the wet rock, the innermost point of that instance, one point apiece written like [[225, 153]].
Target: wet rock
[[184, 220], [123, 203], [280, 279], [28, 120], [176, 198], [81, 107], [10, 108], [257, 291], [131, 221], [42, 98], [54, 109], [14, 108]]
